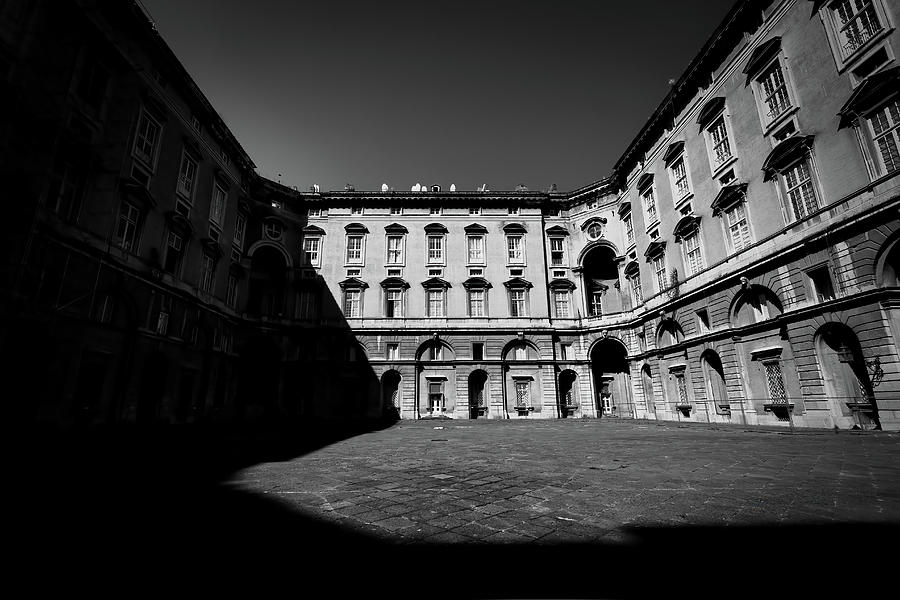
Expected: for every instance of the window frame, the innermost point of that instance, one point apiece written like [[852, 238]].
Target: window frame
[[563, 251], [768, 121], [136, 153], [362, 249], [357, 294], [316, 261], [562, 297], [732, 247], [679, 196], [470, 237], [892, 132], [686, 240], [513, 312], [134, 247], [218, 218], [483, 300], [717, 167], [175, 271], [843, 58], [784, 191], [521, 247], [441, 294], [181, 190], [399, 309], [646, 193], [401, 250], [442, 259], [661, 259], [207, 280]]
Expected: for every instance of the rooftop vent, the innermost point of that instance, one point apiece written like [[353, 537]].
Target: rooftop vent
[[435, 188]]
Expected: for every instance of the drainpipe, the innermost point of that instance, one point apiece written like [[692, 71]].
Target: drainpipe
[[503, 369]]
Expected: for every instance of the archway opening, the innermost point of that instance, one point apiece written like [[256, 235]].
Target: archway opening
[[609, 364], [714, 375], [647, 386], [478, 401], [267, 283], [390, 392], [890, 275], [846, 376], [259, 372], [600, 278], [568, 395]]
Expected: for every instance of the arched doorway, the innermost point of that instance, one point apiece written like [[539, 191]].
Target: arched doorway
[[268, 282], [259, 375], [609, 363], [568, 393], [600, 276], [647, 386], [390, 392], [846, 377], [714, 375], [478, 403]]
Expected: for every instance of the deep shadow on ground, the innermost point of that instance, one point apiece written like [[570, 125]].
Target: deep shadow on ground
[[127, 512]]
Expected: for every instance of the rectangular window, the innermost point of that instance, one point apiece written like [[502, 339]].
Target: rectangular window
[[629, 229], [174, 250], [311, 250], [649, 201], [435, 272], [352, 303], [856, 22], [435, 303], [476, 303], [395, 249], [517, 304], [475, 245], [773, 88], [187, 175], [356, 210], [435, 397], [738, 229], [693, 257], [637, 294], [436, 352], [557, 252], [435, 210], [721, 146], [207, 272], [822, 285], [775, 382], [162, 323], [523, 394], [393, 304], [681, 387], [659, 270], [231, 292], [476, 272], [596, 303], [561, 302], [680, 184], [217, 205], [514, 253], [240, 228], [354, 249], [393, 351], [475, 210], [885, 125], [478, 351], [396, 210], [513, 210], [703, 321], [395, 272], [435, 249], [565, 352], [800, 190], [146, 140], [127, 231]]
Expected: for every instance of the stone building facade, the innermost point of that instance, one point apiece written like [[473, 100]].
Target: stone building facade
[[739, 264]]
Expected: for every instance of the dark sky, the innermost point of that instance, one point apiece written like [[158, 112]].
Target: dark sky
[[495, 91]]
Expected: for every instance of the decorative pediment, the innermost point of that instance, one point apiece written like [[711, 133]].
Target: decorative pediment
[[394, 283], [557, 230], [477, 283], [728, 196], [356, 228], [514, 228], [785, 154], [674, 150], [475, 228], [624, 208], [212, 247], [761, 56], [156, 107], [591, 221], [180, 224], [644, 181], [868, 95], [631, 269], [766, 353], [710, 111], [436, 283], [435, 228], [395, 228], [655, 248], [518, 283], [687, 225], [313, 230], [561, 284], [138, 192], [192, 147], [353, 283]]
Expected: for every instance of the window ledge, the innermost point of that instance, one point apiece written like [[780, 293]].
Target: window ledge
[[683, 200], [857, 55], [718, 170], [779, 120]]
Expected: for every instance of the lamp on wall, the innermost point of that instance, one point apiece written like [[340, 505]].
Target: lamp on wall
[[876, 374]]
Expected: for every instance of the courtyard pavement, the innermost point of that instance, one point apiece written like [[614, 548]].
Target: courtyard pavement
[[454, 509], [578, 481]]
